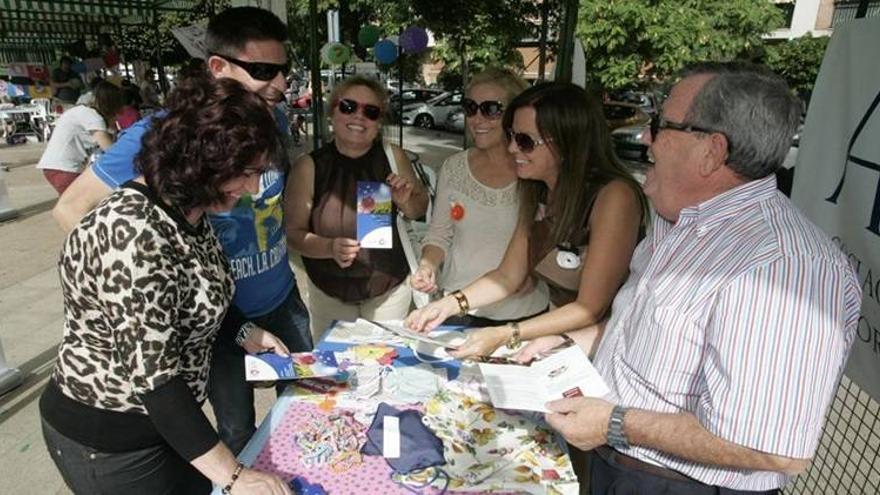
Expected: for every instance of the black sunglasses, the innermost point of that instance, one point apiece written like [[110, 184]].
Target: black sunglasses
[[261, 71], [524, 142], [369, 111], [491, 109], [658, 123]]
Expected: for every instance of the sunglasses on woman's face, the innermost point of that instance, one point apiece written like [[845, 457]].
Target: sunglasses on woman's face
[[524, 142], [348, 107], [490, 109], [261, 71]]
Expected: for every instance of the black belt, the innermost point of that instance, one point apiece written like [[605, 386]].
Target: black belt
[[612, 457]]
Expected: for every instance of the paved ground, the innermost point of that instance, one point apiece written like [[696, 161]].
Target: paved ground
[[31, 307]]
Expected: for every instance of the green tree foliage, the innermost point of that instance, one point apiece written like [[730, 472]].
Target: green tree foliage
[[478, 32], [138, 42], [798, 61], [640, 42]]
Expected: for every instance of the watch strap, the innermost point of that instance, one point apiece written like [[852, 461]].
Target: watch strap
[[616, 434]]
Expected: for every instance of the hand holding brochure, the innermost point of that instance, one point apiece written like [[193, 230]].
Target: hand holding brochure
[[528, 387], [271, 366]]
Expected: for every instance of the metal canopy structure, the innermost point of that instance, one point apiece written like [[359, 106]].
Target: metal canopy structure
[[29, 29]]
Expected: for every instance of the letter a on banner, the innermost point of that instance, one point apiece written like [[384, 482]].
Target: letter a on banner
[[837, 177]]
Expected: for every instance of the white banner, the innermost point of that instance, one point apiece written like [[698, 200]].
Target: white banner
[[193, 39], [837, 177]]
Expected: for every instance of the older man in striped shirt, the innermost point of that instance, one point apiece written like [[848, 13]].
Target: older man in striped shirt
[[727, 342]]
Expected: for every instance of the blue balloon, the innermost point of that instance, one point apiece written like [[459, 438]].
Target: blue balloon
[[385, 51]]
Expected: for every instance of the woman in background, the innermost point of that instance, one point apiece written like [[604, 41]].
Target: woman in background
[[78, 132]]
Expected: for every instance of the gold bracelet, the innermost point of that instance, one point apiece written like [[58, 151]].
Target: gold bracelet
[[515, 338], [463, 304], [235, 474]]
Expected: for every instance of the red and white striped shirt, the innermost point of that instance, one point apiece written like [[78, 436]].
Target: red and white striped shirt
[[741, 313]]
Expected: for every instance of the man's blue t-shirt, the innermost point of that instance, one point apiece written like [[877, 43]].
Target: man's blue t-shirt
[[252, 233]]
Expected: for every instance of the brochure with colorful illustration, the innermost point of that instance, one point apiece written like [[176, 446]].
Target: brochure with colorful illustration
[[374, 215], [271, 366], [528, 387]]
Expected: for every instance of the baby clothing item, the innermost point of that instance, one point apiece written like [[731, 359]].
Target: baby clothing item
[[418, 447], [493, 450]]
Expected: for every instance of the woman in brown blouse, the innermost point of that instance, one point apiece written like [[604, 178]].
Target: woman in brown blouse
[[580, 218], [347, 281]]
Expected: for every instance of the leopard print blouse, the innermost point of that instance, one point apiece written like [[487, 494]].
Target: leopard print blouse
[[144, 295]]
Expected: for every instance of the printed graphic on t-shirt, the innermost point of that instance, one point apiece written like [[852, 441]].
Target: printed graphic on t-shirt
[[252, 233]]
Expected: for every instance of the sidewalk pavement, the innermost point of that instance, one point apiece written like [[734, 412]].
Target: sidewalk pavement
[[31, 311]]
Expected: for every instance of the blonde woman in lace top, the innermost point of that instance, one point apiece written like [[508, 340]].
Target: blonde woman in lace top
[[477, 207]]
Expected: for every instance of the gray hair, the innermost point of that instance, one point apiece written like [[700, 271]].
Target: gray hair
[[753, 107]]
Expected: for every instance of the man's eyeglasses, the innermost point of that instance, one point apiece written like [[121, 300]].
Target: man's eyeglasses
[[261, 71], [348, 107], [658, 123], [524, 142], [491, 109]]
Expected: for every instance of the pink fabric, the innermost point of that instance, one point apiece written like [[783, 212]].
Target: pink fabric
[[281, 456]]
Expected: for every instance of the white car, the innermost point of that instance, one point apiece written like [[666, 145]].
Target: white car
[[432, 112]]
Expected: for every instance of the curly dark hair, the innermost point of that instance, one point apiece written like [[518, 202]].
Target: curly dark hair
[[214, 129]]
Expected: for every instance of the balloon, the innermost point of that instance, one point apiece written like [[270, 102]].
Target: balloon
[[414, 39], [385, 52], [368, 35], [335, 53], [78, 67]]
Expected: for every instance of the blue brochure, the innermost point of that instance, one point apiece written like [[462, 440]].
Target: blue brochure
[[271, 366], [374, 215]]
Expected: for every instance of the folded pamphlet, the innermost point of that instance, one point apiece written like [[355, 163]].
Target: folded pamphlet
[[528, 387]]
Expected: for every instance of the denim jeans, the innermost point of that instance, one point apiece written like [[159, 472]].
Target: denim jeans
[[152, 471], [230, 395]]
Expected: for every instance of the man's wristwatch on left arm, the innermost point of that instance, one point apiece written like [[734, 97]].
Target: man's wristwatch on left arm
[[616, 435]]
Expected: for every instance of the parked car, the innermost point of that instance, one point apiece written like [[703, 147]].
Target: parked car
[[647, 101], [627, 123], [410, 96], [432, 112], [619, 114], [628, 142], [455, 121]]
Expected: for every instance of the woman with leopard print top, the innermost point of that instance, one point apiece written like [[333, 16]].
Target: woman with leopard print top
[[146, 286]]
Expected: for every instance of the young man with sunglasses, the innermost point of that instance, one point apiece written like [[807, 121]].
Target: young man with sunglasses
[[726, 344], [245, 44]]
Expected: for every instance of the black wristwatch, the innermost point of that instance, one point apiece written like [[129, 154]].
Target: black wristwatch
[[616, 436]]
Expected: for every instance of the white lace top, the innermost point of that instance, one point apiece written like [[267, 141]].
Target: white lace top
[[475, 242]]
